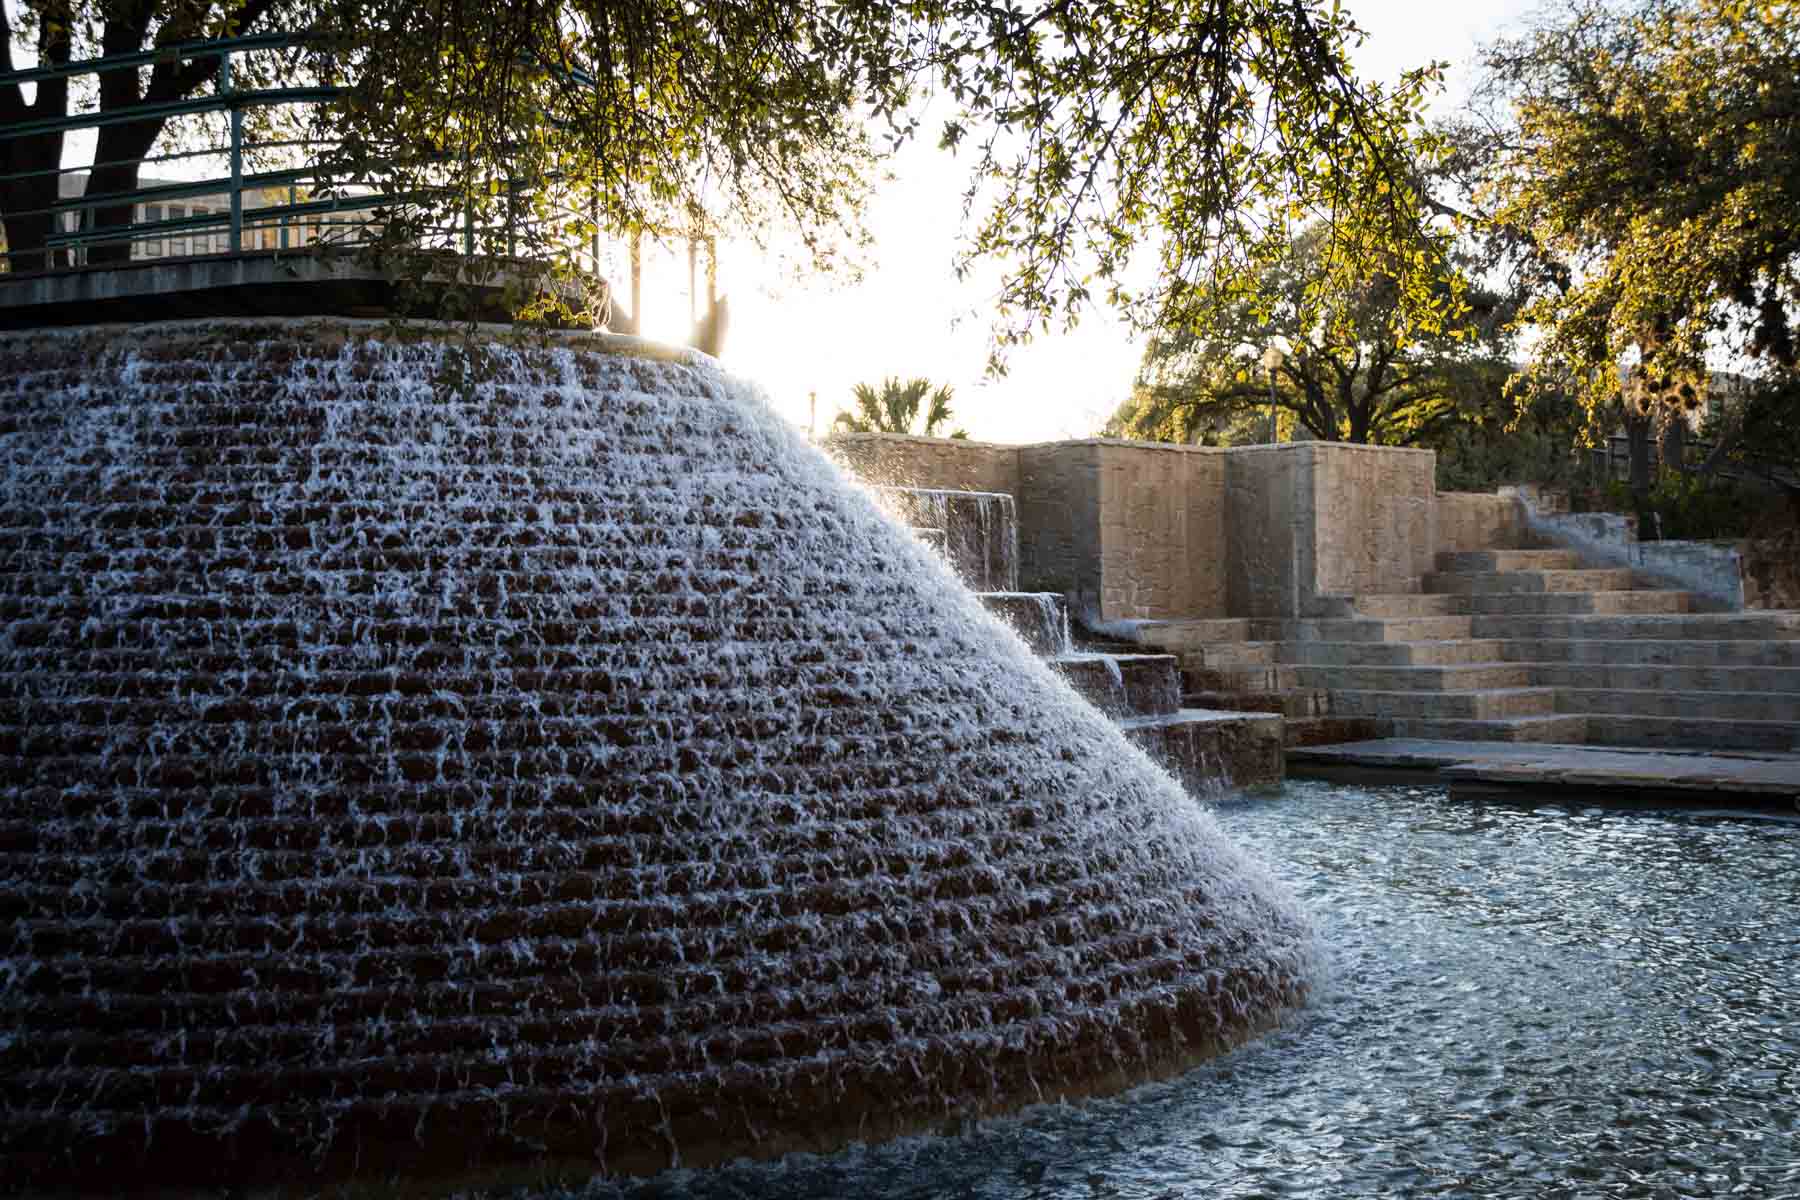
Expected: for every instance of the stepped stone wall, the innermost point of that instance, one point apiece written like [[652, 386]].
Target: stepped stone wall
[[1060, 523], [1470, 521], [1268, 501], [1124, 530], [422, 761], [978, 532], [1162, 531], [1137, 530], [1310, 520], [1374, 520], [899, 460]]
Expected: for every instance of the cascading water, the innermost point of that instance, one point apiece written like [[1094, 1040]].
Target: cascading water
[[427, 758], [978, 532], [1040, 618]]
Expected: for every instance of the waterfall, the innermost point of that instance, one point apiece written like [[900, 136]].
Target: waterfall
[[419, 756]]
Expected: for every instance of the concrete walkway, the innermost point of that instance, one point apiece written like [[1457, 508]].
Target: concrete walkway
[[1759, 779]]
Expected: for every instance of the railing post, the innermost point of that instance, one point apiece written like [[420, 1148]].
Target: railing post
[[511, 215], [594, 236], [237, 154]]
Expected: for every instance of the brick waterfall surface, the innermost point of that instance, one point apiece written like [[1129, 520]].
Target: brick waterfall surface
[[429, 759]]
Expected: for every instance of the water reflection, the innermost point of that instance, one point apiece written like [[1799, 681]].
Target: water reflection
[[1556, 1000]]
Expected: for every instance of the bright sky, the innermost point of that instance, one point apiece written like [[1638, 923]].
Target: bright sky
[[911, 316]]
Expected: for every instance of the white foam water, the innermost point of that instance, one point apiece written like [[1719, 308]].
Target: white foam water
[[422, 756]]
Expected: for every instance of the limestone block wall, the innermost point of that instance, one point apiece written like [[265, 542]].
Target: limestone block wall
[[919, 462], [1162, 531], [1374, 519], [1310, 519], [1479, 521], [1059, 523], [1134, 530], [1266, 492]]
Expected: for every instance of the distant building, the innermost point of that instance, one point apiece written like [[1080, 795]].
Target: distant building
[[264, 233]]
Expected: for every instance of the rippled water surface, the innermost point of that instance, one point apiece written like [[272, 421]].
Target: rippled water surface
[[1560, 1000]]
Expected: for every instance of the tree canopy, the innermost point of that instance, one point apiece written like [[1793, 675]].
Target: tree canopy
[[1343, 359], [1198, 131], [1641, 162], [895, 408]]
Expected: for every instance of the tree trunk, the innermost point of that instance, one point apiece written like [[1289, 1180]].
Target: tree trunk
[[1674, 442], [123, 146], [1637, 441], [23, 201]]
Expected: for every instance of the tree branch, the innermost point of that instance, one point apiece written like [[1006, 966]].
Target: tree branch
[[170, 80]]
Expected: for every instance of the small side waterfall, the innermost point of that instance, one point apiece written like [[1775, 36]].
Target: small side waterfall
[[421, 759], [977, 532], [1038, 617]]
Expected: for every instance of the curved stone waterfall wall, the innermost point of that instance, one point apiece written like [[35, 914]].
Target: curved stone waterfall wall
[[428, 760]]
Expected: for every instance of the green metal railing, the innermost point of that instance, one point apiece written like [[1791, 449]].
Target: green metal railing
[[239, 211]]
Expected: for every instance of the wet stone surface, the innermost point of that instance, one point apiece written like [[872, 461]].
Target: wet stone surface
[[421, 759], [1561, 1000]]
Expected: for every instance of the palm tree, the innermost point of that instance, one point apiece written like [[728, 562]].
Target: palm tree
[[896, 406]]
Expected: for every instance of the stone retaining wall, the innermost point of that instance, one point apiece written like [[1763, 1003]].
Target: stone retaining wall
[[1059, 523], [1149, 531], [1162, 531], [1713, 571], [898, 460], [1479, 521], [1144, 531], [1372, 521]]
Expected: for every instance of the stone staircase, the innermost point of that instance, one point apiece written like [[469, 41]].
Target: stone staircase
[[1508, 645], [1142, 693]]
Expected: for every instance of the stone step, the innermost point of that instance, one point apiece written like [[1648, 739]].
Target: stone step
[[1488, 561], [1225, 656], [1767, 625], [1653, 652], [1575, 603], [1197, 746], [1179, 636], [1451, 677], [1698, 733], [1392, 604], [1484, 704], [1123, 685], [1271, 678], [1753, 707], [1040, 618], [1605, 579], [1558, 727], [1332, 731], [1289, 702], [1396, 629], [1782, 680], [1393, 654]]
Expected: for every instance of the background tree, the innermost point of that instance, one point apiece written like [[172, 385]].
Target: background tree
[[1204, 128], [895, 409], [62, 31], [1643, 156], [1353, 366]]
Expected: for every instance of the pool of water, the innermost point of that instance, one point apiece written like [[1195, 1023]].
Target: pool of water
[[1523, 1001]]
